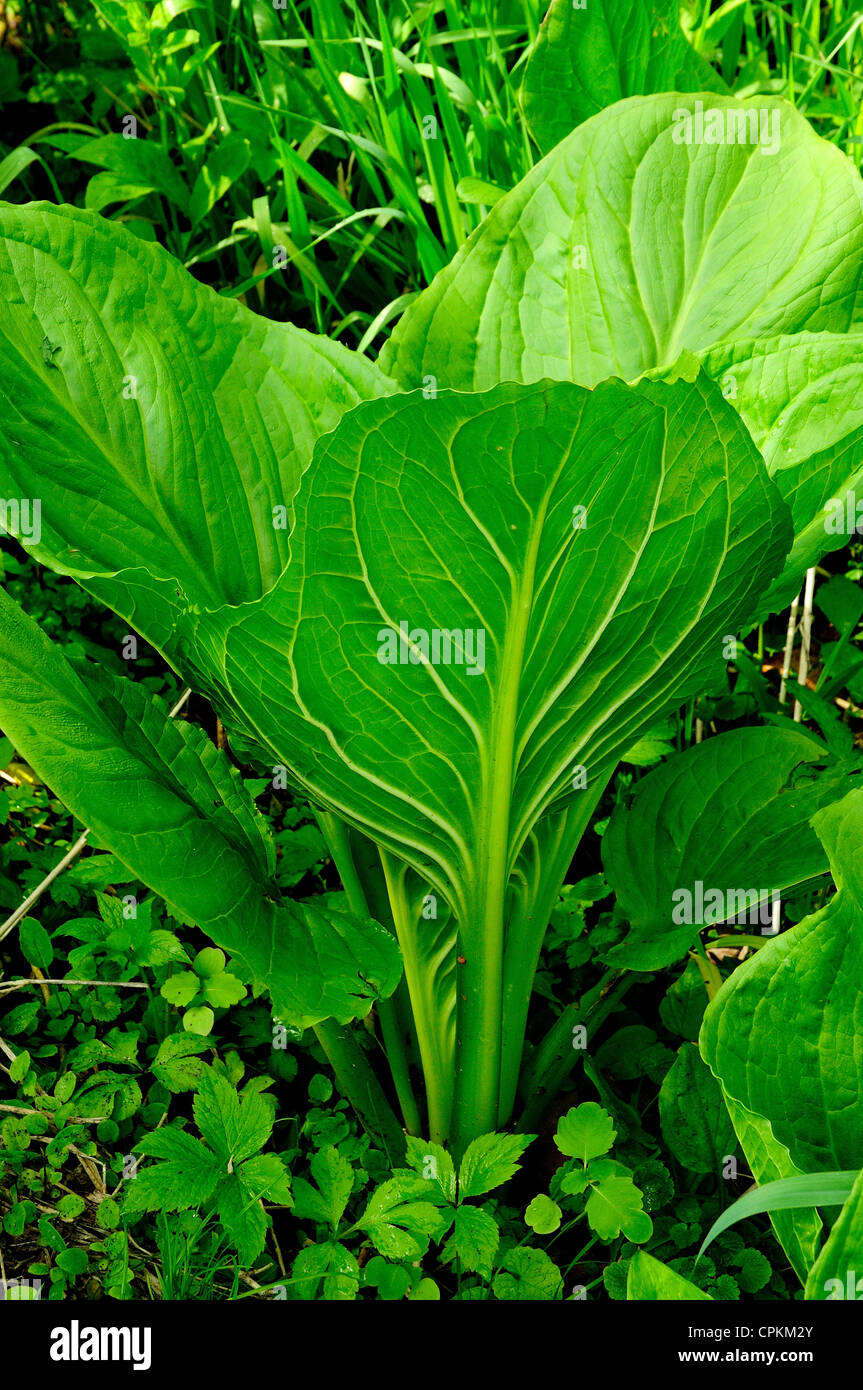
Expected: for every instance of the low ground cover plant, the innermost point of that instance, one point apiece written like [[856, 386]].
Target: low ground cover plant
[[443, 602]]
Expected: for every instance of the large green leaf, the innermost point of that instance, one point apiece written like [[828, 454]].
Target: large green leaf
[[783, 1034], [588, 58], [798, 1230], [448, 514], [731, 814], [692, 1112], [782, 1037], [457, 514], [838, 1271], [170, 806], [159, 424], [800, 398], [623, 248]]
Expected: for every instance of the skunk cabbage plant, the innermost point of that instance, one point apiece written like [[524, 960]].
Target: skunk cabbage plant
[[446, 593]]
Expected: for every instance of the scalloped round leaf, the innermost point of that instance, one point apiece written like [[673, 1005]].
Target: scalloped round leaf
[[543, 1215], [199, 1020], [585, 1132]]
